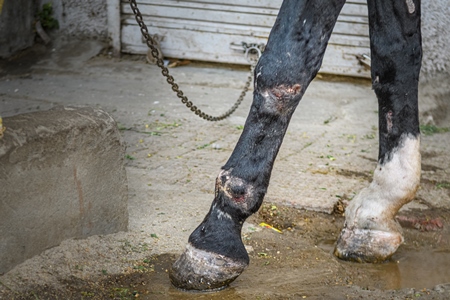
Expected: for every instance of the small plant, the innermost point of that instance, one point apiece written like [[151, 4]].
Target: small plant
[[86, 294], [120, 292], [369, 136], [46, 18], [203, 146], [431, 129], [443, 185]]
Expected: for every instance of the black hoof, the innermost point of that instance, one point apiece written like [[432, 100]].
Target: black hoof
[[200, 270]]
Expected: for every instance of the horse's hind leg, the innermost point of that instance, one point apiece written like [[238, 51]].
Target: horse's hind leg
[[371, 234]]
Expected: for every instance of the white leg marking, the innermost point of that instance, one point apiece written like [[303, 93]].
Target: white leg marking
[[394, 184]]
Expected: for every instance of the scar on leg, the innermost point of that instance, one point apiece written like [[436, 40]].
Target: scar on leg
[[377, 79], [411, 6], [389, 121], [220, 214]]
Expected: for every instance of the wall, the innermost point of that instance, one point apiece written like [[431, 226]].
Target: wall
[[435, 38], [80, 19], [434, 89], [16, 26], [77, 19]]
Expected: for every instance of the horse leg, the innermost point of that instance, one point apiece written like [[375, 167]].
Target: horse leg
[[370, 233], [215, 254]]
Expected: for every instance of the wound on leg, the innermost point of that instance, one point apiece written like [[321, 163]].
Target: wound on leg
[[389, 123], [279, 98]]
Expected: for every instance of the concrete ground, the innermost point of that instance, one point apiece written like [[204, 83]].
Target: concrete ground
[[173, 157]]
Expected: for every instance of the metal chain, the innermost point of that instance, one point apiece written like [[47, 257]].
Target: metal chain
[[165, 72]]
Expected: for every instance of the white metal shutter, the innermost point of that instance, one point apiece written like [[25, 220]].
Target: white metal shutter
[[206, 29]]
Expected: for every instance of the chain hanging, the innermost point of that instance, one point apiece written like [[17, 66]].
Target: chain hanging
[[165, 72]]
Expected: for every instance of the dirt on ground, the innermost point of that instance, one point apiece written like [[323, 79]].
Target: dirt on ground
[[291, 258], [329, 153]]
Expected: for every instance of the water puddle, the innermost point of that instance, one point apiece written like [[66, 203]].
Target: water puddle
[[423, 268], [411, 269]]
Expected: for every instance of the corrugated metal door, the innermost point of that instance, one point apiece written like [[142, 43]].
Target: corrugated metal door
[[207, 30]]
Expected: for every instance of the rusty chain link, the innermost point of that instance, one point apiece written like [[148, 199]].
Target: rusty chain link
[[165, 72]]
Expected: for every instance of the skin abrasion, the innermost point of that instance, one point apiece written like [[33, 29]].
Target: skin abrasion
[[389, 123], [278, 99], [236, 189], [282, 92]]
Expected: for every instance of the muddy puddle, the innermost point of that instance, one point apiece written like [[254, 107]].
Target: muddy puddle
[[294, 264], [419, 270], [408, 268], [298, 264]]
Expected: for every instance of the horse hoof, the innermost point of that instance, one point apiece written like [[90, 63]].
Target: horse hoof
[[366, 245], [200, 270]]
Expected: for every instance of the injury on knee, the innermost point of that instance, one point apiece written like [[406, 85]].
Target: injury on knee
[[237, 190], [282, 98]]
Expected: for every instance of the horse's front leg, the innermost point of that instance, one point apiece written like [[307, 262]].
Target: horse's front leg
[[215, 254]]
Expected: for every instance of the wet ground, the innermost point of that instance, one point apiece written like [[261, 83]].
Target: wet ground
[[328, 155], [291, 258]]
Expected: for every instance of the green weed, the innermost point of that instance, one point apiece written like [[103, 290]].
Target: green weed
[[431, 129]]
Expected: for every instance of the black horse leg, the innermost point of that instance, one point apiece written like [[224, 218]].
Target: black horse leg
[[215, 254], [371, 233]]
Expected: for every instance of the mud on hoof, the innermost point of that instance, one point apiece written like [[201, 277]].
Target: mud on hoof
[[367, 245], [201, 270]]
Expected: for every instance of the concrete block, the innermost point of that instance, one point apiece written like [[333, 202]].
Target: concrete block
[[62, 176]]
